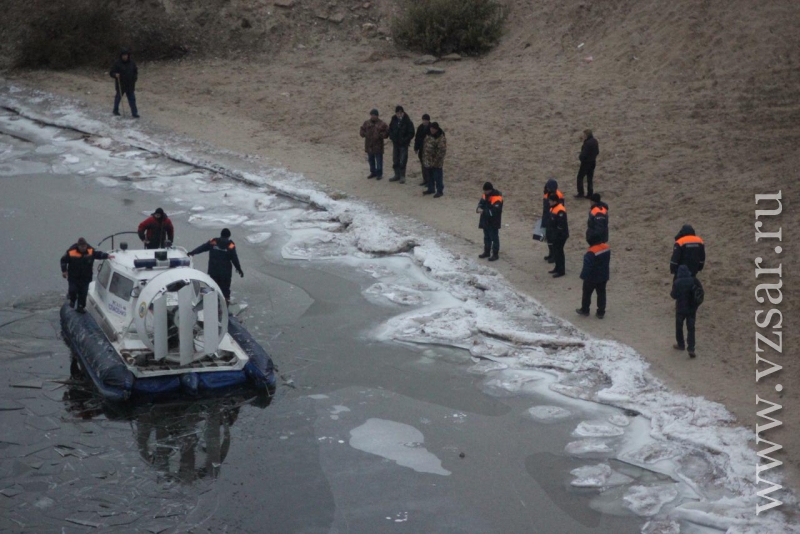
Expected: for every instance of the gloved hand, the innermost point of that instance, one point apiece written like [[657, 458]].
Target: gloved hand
[[190, 254], [64, 274], [241, 273]]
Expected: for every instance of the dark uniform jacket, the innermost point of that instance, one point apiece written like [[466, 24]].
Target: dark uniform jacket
[[596, 264], [683, 291], [419, 139], [221, 254], [557, 225], [127, 70], [401, 131], [374, 132], [597, 225], [79, 266], [156, 231], [492, 206], [689, 250], [589, 150]]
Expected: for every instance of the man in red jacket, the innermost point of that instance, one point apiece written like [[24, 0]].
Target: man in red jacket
[[156, 230]]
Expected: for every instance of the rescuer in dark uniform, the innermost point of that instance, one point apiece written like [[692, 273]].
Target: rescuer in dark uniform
[[597, 225], [221, 254], [689, 250], [595, 276], [77, 267], [491, 209], [156, 230], [550, 187], [557, 234]]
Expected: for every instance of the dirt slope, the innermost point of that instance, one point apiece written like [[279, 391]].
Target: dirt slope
[[695, 105]]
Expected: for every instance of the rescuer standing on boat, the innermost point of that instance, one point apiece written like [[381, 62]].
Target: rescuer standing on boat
[[156, 230], [221, 254], [77, 267]]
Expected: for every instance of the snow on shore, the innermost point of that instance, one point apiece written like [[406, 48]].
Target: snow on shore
[[444, 299]]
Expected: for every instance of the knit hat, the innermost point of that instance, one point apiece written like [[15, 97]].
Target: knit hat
[[374, 112], [488, 186], [596, 197], [398, 109], [159, 211], [435, 125], [225, 233], [82, 241], [426, 117]]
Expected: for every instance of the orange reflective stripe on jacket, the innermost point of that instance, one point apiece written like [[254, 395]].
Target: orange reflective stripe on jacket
[[492, 199], [557, 209], [75, 253], [559, 194], [597, 249], [599, 210], [685, 240]]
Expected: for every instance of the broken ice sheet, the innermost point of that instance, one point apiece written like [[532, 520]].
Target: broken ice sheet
[[84, 522], [7, 405], [12, 491], [31, 384], [647, 501]]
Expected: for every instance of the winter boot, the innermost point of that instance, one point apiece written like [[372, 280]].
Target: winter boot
[[485, 254], [495, 256]]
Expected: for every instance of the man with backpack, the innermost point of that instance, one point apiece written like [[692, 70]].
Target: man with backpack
[[689, 295]]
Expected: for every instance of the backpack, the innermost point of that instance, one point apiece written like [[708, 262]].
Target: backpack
[[698, 294]]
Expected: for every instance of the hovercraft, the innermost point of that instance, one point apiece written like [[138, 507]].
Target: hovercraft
[[156, 326]]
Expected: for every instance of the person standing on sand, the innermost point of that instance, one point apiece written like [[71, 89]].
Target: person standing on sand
[[125, 74], [597, 225], [550, 187], [685, 308], [419, 140], [401, 132], [435, 149], [491, 209], [689, 250], [595, 276], [557, 234], [588, 159], [374, 131]]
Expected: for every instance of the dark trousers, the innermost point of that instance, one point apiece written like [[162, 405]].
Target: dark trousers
[[587, 170], [689, 318], [588, 289], [491, 240], [425, 171], [78, 291], [224, 283], [436, 178], [375, 164], [400, 160], [558, 255], [131, 94]]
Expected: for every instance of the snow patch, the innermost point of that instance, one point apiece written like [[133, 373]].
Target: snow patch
[[398, 442]]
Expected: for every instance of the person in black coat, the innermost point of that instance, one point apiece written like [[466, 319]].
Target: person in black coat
[[419, 141], [558, 233], [689, 250], [222, 254], [401, 132], [685, 309], [490, 207], [595, 274], [77, 266], [125, 74], [588, 159], [597, 225]]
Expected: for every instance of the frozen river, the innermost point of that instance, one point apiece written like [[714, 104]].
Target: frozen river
[[416, 393]]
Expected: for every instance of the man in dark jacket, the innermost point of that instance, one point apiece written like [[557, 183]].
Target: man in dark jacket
[[595, 275], [125, 74], [685, 308], [689, 250], [597, 225], [401, 132], [156, 230], [419, 141], [374, 131], [558, 233], [221, 254], [434, 150], [490, 207], [588, 159], [77, 266], [550, 187]]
